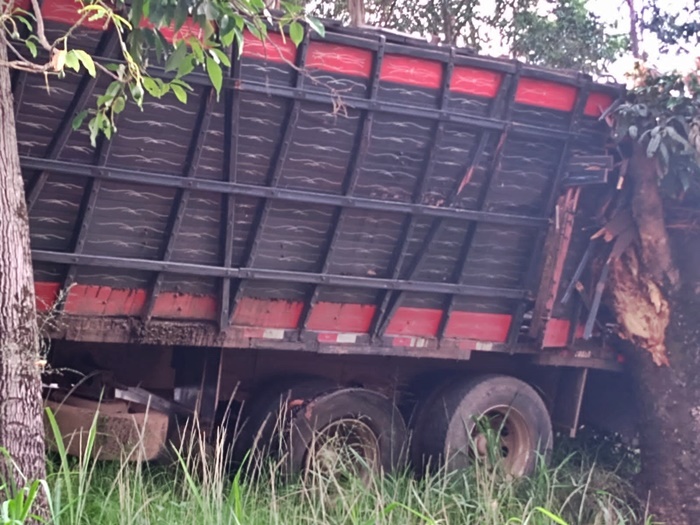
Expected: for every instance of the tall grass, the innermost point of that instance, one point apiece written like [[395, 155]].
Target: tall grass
[[198, 488]]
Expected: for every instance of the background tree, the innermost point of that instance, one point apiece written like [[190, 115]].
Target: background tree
[[557, 33]]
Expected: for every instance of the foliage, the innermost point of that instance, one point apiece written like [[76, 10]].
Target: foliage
[[663, 113], [567, 36], [204, 33], [673, 23]]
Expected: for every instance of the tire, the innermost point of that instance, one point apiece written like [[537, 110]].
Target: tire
[[356, 418], [263, 420], [514, 427]]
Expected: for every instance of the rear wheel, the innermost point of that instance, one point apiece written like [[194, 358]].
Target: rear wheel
[[266, 418], [349, 432], [490, 418]]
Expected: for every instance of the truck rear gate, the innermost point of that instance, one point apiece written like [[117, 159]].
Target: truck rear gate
[[363, 193]]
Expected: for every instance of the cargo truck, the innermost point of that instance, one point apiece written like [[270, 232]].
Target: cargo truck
[[367, 236]]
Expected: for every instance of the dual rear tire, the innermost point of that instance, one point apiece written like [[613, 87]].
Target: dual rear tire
[[313, 426]]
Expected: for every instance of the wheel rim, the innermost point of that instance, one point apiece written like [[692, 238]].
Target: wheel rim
[[501, 435], [344, 449]]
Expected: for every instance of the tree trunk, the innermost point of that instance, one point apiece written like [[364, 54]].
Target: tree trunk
[[21, 419], [664, 326], [669, 406]]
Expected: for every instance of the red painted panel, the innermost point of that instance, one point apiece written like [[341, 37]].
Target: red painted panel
[[66, 12], [546, 94], [339, 317], [597, 103], [103, 300], [479, 326], [23, 4], [188, 30], [46, 295], [473, 81], [415, 71], [273, 49], [172, 305], [556, 334], [339, 59], [415, 321], [268, 313]]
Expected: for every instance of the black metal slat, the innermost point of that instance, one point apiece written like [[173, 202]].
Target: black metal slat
[[381, 318], [289, 126], [177, 214], [204, 270], [538, 247], [359, 152], [85, 213], [231, 126], [19, 82], [505, 106], [149, 178], [82, 96]]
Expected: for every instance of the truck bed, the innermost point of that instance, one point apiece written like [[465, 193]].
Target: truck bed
[[363, 193]]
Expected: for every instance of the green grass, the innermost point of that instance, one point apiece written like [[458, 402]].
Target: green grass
[[199, 489]]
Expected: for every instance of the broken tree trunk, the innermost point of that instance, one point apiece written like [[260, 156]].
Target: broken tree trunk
[[663, 324]]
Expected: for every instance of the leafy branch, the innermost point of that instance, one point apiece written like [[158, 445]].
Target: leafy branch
[[182, 36]]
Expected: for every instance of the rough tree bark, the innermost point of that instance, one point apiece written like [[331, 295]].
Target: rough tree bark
[[658, 310], [21, 422]]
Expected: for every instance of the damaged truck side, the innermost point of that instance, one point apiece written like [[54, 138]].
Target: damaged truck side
[[366, 236]]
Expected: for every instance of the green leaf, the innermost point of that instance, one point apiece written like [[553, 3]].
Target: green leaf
[[556, 519], [316, 25], [118, 105], [176, 58], [94, 128], [179, 92], [32, 47], [79, 119], [105, 100], [137, 93], [72, 61], [296, 32], [152, 87], [86, 60], [196, 49], [24, 21], [215, 74], [221, 56], [653, 145], [186, 67], [114, 88], [181, 11]]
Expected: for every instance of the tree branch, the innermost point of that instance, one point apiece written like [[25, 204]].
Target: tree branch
[[40, 31]]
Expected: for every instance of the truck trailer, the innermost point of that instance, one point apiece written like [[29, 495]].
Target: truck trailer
[[366, 236]]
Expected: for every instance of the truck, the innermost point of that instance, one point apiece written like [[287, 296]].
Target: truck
[[366, 237]]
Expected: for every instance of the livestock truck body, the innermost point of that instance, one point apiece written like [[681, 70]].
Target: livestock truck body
[[391, 234]]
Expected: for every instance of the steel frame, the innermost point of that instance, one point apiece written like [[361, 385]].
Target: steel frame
[[359, 151], [529, 281], [505, 106], [505, 96], [181, 200], [280, 157], [264, 274]]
